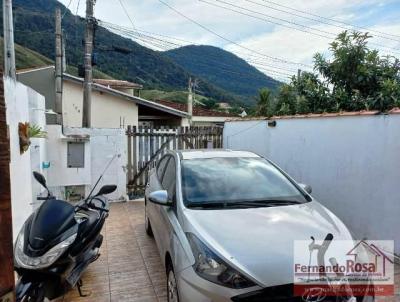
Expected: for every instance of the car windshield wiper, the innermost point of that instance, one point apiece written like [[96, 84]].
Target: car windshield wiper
[[243, 204], [264, 203], [206, 205]]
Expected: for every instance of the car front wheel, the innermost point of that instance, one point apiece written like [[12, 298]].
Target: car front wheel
[[172, 286]]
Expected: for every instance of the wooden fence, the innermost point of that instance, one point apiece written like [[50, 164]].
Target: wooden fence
[[146, 145]]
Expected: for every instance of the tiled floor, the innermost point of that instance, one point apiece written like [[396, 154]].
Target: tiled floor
[[129, 268]]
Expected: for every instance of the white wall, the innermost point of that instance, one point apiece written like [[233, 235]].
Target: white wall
[[352, 163], [108, 111], [59, 175], [18, 97], [106, 144], [208, 120], [100, 147], [37, 116]]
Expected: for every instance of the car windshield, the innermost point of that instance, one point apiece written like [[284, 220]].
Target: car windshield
[[235, 180]]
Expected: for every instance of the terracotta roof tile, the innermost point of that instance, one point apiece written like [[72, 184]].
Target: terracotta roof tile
[[320, 115], [197, 111], [117, 83]]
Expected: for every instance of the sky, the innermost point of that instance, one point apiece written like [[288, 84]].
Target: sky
[[274, 36]]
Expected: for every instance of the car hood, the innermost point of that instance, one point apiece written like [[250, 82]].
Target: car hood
[[259, 242]]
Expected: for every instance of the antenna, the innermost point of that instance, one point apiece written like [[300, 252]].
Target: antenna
[[102, 174]]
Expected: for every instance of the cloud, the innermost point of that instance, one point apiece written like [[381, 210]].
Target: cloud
[[264, 37]]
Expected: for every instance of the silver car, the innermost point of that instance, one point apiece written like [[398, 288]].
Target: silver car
[[224, 225]]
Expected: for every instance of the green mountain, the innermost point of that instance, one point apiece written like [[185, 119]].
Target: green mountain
[[34, 29], [222, 68]]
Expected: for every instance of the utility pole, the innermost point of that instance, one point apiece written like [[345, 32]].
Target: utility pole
[[64, 60], [190, 101], [9, 51], [298, 74], [59, 67], [87, 86]]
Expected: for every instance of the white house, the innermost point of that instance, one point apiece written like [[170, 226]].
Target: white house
[[115, 104], [201, 116]]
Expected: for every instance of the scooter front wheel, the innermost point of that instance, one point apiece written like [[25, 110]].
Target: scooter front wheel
[[30, 292]]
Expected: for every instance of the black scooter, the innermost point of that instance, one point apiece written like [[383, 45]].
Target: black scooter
[[57, 243]]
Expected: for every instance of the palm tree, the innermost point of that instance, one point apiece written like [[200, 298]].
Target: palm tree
[[264, 103]]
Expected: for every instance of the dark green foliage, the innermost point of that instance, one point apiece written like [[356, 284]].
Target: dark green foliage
[[34, 29], [222, 68], [210, 104], [356, 78], [265, 106], [359, 77]]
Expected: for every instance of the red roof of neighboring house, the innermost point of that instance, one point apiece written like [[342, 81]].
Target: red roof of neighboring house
[[197, 111], [317, 115], [117, 84]]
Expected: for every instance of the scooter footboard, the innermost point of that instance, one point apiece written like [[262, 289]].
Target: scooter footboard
[[33, 287]]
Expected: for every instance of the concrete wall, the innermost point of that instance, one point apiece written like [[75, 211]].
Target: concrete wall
[[100, 147], [208, 120], [58, 174], [18, 97], [43, 81], [108, 111], [352, 163], [38, 145], [107, 145]]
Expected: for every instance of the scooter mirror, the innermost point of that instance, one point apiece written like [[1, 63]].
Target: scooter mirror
[[40, 179], [107, 189]]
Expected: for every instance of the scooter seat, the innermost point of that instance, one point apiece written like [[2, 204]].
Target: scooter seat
[[87, 226]]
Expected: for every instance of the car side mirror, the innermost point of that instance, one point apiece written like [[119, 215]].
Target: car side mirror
[[306, 188], [40, 179], [160, 197], [107, 189]]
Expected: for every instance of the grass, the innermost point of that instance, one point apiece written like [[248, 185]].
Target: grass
[[26, 58], [176, 96]]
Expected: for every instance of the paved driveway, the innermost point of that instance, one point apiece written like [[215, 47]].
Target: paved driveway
[[129, 268]]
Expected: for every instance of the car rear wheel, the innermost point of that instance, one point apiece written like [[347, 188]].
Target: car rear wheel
[[147, 224], [172, 286]]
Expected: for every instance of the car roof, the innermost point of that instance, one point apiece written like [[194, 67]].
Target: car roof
[[213, 153]]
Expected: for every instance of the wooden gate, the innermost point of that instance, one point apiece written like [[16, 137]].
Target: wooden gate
[[146, 145]]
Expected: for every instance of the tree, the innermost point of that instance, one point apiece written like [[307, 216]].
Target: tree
[[286, 100], [359, 78], [210, 104], [314, 92], [355, 78], [265, 103]]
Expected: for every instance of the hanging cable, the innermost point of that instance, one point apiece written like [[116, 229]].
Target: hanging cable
[[229, 40]]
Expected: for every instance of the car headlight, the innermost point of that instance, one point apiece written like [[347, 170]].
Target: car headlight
[[42, 261], [212, 268]]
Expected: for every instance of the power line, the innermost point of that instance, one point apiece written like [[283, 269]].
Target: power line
[[66, 9], [77, 7], [127, 14], [329, 19], [214, 64], [272, 17], [314, 19], [237, 53], [227, 39], [167, 45], [333, 35]]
